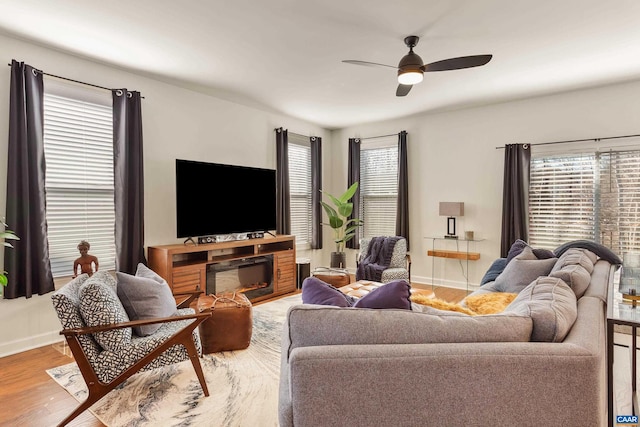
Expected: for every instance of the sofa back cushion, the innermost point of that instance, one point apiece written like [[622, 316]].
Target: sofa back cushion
[[312, 325], [552, 306], [522, 270]]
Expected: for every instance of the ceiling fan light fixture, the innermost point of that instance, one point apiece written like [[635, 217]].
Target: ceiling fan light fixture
[[409, 77]]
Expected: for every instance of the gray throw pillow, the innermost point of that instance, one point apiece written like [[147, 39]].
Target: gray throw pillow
[[99, 305], [522, 270], [145, 298], [575, 256], [552, 306], [144, 271]]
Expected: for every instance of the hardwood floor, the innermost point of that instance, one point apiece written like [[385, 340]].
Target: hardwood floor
[[30, 398]]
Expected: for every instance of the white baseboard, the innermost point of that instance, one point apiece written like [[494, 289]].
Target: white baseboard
[[29, 343], [446, 283]]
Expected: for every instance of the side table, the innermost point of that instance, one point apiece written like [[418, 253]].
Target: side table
[[620, 313]]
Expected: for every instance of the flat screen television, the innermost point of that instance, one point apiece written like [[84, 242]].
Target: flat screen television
[[214, 199]]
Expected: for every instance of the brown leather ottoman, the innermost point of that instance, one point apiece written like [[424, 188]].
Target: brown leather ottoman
[[336, 277], [230, 325]]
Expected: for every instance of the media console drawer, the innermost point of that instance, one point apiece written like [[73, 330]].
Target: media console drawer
[[188, 280]]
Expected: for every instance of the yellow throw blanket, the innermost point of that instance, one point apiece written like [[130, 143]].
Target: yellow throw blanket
[[489, 303]]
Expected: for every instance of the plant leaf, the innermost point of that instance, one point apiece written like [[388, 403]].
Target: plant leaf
[[345, 209], [7, 244], [349, 193], [3, 279]]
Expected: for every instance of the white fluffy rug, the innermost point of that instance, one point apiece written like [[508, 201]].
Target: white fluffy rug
[[243, 384]]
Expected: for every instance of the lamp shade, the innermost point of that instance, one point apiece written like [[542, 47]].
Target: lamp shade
[[451, 208]]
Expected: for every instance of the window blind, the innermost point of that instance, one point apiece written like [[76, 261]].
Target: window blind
[[300, 188], [561, 200], [620, 200], [379, 190], [78, 146], [593, 196]]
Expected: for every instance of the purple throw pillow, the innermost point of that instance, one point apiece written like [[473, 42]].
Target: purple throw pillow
[[315, 291], [518, 246], [394, 294]]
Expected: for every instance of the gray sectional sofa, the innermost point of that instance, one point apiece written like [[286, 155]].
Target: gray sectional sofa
[[541, 362]]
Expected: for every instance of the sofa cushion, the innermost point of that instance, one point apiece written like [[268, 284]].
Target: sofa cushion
[[145, 298], [494, 271], [100, 305], [552, 306], [575, 256], [522, 270], [310, 325], [518, 246], [598, 249]]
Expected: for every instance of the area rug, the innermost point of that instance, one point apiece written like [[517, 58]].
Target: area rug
[[243, 384]]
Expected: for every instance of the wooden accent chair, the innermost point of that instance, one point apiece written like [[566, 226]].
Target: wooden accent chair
[[104, 358]]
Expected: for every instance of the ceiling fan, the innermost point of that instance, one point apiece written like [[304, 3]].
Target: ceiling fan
[[410, 68]]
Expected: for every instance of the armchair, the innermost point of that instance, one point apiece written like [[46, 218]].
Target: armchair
[[399, 266], [109, 353]]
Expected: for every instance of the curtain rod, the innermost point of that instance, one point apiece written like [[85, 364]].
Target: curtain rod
[[74, 81], [578, 140], [380, 136]]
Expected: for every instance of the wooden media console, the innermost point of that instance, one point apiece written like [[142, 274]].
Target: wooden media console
[[186, 268]]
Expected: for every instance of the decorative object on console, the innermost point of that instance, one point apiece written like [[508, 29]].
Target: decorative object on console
[[630, 277], [344, 229], [468, 235], [451, 210]]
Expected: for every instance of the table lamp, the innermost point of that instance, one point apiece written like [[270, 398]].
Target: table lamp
[[451, 210]]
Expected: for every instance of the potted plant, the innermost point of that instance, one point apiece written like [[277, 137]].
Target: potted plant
[[344, 229], [6, 235]]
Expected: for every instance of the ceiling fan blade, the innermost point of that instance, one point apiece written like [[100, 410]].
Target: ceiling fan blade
[[367, 64], [403, 90], [457, 63]]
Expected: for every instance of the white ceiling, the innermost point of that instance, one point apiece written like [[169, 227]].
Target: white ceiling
[[285, 55]]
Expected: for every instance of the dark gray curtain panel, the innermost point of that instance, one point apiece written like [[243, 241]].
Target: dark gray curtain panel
[[27, 264], [515, 195], [283, 209], [402, 214], [316, 195], [128, 179], [354, 176]]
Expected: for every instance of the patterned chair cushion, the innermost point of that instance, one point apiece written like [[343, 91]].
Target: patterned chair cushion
[[109, 364], [100, 305], [66, 302]]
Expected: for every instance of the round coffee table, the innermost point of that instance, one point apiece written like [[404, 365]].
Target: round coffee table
[[362, 287]]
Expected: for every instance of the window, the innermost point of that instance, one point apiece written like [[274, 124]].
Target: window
[[379, 187], [594, 196], [78, 146], [300, 188]]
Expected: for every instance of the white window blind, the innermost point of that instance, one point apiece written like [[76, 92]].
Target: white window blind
[[561, 200], [78, 145], [300, 188], [379, 189], [620, 200], [594, 196]]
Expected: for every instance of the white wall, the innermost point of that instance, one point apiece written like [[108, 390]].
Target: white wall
[[453, 157], [178, 123]]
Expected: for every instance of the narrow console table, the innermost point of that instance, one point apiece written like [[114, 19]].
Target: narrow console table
[[186, 267], [459, 249]]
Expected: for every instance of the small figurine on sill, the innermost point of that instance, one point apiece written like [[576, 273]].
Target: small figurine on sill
[[86, 262]]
